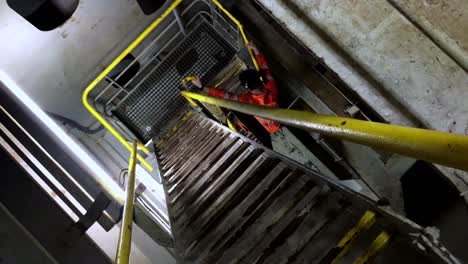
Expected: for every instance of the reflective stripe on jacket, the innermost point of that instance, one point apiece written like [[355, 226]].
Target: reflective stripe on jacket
[[269, 97]]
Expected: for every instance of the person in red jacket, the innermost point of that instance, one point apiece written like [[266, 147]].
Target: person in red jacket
[[261, 89]]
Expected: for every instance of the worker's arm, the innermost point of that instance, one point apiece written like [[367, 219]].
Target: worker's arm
[[270, 83], [262, 63], [220, 93]]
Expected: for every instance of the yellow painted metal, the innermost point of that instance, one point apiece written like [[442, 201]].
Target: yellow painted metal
[[232, 72], [125, 238], [241, 29], [379, 244], [187, 80], [438, 147], [191, 101], [129, 49], [366, 221], [231, 125], [108, 69]]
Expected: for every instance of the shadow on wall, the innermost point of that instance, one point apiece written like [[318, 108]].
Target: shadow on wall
[[45, 15], [352, 62], [150, 6]]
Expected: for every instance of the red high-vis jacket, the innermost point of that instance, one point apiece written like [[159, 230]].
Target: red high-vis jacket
[[269, 97]]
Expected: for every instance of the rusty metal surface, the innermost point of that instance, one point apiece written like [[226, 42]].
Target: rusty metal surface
[[232, 201]]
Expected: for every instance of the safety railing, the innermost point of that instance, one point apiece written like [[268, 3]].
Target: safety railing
[[112, 90], [125, 238], [438, 147]]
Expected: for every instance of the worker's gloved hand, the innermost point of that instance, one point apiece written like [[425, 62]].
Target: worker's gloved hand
[[196, 81]]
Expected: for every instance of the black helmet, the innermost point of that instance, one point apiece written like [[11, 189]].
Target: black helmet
[[251, 79]]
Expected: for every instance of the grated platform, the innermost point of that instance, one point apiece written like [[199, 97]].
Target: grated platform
[[156, 100]]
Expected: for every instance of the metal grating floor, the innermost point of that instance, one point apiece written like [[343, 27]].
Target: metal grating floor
[[157, 99]]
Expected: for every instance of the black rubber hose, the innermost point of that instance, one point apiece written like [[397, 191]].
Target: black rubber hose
[[75, 124]]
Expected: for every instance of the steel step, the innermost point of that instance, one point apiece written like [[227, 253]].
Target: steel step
[[232, 201]]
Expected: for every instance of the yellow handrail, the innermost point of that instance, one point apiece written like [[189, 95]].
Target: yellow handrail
[[434, 146], [125, 238], [241, 29], [124, 53]]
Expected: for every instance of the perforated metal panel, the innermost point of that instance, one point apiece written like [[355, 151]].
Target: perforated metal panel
[[157, 99]]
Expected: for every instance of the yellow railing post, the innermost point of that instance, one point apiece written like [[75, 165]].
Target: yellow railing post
[[438, 147], [125, 239]]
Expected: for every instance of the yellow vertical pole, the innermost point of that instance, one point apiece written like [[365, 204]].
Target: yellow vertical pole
[[125, 239]]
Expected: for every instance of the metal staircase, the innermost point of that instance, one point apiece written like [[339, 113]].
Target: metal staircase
[[232, 201]]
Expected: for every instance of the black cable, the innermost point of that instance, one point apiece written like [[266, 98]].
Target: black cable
[[111, 115], [75, 124], [123, 174]]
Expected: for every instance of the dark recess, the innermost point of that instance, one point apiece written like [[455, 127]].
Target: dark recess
[[150, 6], [426, 193], [45, 15], [128, 74], [190, 59]]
